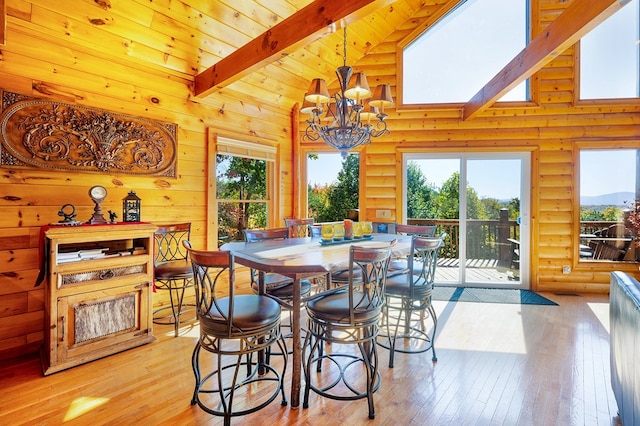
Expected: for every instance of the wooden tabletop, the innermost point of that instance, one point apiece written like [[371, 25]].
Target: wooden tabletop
[[297, 257]]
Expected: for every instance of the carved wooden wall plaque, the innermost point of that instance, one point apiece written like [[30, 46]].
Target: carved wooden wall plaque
[[58, 136]]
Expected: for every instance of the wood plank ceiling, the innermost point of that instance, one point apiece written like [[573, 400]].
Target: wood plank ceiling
[[188, 40]]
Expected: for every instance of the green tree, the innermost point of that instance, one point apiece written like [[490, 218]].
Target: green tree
[[612, 213], [239, 178], [491, 208], [343, 196], [420, 193], [317, 200]]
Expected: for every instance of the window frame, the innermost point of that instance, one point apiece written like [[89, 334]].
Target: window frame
[[232, 146], [576, 241]]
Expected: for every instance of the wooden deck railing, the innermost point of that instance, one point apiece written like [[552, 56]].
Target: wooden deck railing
[[486, 239]]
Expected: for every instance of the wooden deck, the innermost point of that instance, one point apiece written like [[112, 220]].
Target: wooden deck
[[498, 364], [477, 270]]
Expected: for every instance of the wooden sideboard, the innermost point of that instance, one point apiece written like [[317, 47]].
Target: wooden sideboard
[[98, 297]]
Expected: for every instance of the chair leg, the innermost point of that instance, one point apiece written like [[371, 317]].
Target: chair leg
[[195, 364], [432, 312], [369, 353]]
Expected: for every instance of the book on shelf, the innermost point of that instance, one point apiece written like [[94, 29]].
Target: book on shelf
[[74, 256]]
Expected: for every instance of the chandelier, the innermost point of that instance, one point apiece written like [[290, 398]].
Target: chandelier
[[344, 121]]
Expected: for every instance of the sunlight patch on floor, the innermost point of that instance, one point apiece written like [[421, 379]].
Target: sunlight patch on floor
[[601, 311], [83, 405], [468, 331]]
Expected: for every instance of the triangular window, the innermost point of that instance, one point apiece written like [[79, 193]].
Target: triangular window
[[610, 57], [457, 56]]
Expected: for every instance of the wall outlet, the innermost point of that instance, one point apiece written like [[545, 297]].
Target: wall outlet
[[383, 214], [566, 269]]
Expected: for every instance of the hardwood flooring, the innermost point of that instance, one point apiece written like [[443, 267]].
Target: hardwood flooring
[[498, 364]]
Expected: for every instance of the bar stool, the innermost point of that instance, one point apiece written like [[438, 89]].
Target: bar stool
[[399, 266], [275, 284], [410, 293], [348, 315], [172, 271], [236, 327]]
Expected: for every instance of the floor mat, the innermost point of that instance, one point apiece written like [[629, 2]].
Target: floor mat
[[490, 295]]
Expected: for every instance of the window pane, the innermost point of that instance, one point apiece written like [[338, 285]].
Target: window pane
[[332, 186], [244, 180], [455, 58], [607, 190], [234, 217], [609, 57], [240, 178]]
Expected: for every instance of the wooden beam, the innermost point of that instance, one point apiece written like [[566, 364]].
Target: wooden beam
[[3, 22], [576, 21], [306, 25]]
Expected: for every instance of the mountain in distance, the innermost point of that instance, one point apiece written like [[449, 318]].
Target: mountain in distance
[[620, 199]]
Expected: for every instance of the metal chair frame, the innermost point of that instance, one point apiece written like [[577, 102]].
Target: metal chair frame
[[172, 271], [410, 293], [348, 315], [235, 326]]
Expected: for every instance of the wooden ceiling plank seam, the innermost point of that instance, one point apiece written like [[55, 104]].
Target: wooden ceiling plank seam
[[262, 18], [83, 60], [282, 8], [93, 10], [296, 30], [576, 21], [29, 30], [84, 33]]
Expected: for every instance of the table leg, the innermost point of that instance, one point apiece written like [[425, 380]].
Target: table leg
[[296, 372]]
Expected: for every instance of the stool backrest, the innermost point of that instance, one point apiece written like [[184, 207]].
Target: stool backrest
[[253, 235], [168, 242], [422, 230], [422, 264], [214, 277], [368, 294], [299, 227]]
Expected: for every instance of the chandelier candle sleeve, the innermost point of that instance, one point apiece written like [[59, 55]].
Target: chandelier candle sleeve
[[347, 123]]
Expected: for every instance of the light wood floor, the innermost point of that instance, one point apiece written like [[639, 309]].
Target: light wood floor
[[499, 364]]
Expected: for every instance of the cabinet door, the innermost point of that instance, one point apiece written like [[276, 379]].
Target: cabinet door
[[95, 324]]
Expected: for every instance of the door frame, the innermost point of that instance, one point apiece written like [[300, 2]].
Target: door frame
[[525, 204]]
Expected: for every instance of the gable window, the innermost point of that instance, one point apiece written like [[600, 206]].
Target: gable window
[[610, 57], [462, 52], [244, 187]]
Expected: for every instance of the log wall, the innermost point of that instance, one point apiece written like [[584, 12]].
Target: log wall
[[54, 51]]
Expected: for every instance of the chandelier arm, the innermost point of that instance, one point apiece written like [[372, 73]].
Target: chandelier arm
[[346, 130]]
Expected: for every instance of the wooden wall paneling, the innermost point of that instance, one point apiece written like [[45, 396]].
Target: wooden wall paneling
[[3, 22]]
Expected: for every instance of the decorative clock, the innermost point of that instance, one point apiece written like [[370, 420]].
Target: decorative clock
[[97, 193]]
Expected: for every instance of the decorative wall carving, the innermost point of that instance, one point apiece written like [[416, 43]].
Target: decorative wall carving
[[54, 135]]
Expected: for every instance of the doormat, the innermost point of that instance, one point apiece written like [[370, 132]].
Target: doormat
[[490, 295]]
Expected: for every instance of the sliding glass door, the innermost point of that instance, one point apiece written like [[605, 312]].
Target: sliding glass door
[[486, 219]]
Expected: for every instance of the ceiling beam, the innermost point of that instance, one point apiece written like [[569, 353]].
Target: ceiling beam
[[576, 21], [301, 28]]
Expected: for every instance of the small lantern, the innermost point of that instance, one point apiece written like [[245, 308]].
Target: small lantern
[[131, 207]]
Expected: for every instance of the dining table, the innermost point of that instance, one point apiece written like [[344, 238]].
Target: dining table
[[304, 258]]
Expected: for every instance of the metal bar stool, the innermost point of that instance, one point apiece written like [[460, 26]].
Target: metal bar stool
[[233, 327], [172, 272], [348, 315], [410, 293]]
